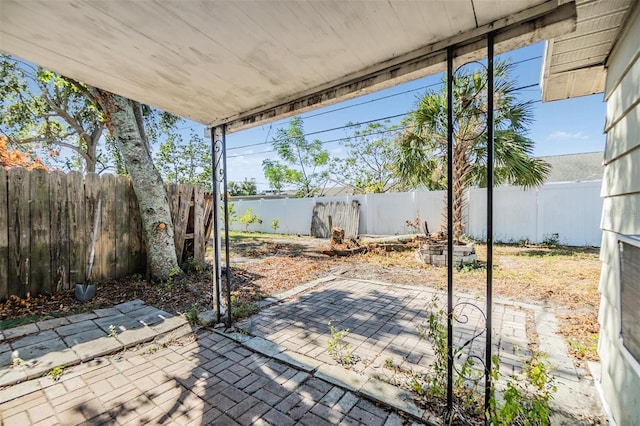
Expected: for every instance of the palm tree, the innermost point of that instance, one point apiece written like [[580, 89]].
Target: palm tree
[[423, 146]]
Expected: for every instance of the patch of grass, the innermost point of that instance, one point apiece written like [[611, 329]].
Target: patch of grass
[[526, 397], [16, 322], [553, 251], [113, 331], [236, 236], [470, 268], [10, 323], [241, 235], [337, 348], [552, 240], [583, 350], [244, 309], [193, 267], [16, 361], [55, 373], [192, 314], [388, 363]]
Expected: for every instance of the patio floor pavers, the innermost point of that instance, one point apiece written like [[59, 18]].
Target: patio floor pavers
[[133, 387], [32, 350], [383, 321], [279, 374]]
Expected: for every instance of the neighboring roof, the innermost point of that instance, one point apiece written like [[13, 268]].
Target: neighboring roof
[[335, 191], [247, 62], [574, 64], [575, 167]]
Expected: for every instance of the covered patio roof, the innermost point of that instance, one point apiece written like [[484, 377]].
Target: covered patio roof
[[242, 63]]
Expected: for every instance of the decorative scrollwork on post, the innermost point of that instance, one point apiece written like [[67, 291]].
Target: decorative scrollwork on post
[[218, 171], [470, 122], [466, 363]]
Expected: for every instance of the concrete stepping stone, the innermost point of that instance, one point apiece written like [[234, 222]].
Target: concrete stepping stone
[[32, 339], [97, 347], [20, 331], [132, 305], [52, 323], [117, 323], [84, 337], [61, 342], [75, 328]]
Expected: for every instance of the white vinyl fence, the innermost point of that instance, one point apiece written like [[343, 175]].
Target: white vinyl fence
[[570, 210]]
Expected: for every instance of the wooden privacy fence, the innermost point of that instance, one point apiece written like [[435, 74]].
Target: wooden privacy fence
[[47, 220], [192, 217]]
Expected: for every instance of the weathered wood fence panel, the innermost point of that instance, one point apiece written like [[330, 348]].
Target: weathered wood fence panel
[[91, 214], [4, 237], [184, 195], [198, 223], [343, 215], [76, 225], [40, 259], [47, 221], [122, 233], [19, 230], [60, 260]]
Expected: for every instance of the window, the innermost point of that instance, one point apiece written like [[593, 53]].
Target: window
[[630, 294]]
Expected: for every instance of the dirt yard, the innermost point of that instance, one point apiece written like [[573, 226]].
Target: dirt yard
[[562, 277]]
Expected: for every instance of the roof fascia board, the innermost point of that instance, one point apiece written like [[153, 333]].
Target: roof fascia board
[[541, 22], [632, 15]]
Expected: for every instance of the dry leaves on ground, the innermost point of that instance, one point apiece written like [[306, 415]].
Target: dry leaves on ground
[[564, 278]]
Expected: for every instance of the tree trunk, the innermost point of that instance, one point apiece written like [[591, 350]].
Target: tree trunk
[[147, 183], [461, 170], [92, 146]]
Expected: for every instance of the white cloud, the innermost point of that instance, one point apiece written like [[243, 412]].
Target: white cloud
[[336, 152], [561, 135]]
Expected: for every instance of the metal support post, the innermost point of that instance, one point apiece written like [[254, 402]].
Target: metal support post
[[449, 230], [490, 182], [215, 182], [226, 225]]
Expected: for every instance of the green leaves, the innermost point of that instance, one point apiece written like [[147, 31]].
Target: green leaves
[[44, 111], [248, 218], [181, 162], [41, 109], [370, 160], [423, 149], [246, 187], [302, 163]]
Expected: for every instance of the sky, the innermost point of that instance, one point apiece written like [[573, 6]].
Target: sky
[[560, 127]]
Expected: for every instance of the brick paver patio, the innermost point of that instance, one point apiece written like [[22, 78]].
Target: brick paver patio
[[275, 371], [212, 380], [383, 322]]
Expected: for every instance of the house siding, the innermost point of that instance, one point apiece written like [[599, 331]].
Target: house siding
[[620, 215]]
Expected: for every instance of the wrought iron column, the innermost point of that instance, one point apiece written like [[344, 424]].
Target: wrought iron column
[[215, 182], [490, 161], [449, 230], [226, 225]]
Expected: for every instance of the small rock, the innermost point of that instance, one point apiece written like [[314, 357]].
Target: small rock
[[207, 318]]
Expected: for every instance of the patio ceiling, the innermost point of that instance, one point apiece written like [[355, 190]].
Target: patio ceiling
[[246, 62], [574, 64]]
